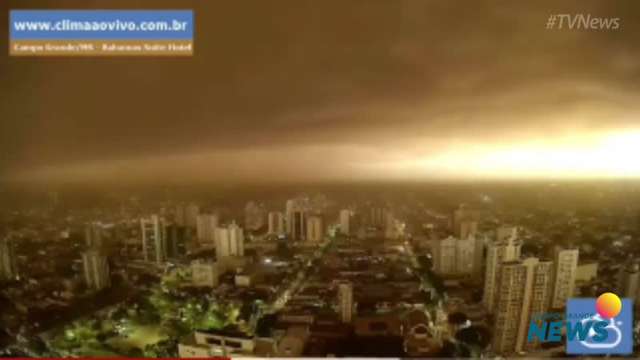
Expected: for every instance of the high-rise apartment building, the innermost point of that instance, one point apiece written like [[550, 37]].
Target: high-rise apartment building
[[345, 301], [154, 245], [296, 218], [298, 225], [467, 229], [187, 215], [206, 225], [8, 268], [345, 221], [229, 241], [465, 226], [378, 217], [315, 230], [93, 233], [276, 223], [478, 254], [444, 256], [505, 247], [393, 228], [522, 292], [564, 276], [465, 221], [177, 238], [465, 250], [96, 270], [453, 256], [629, 281]]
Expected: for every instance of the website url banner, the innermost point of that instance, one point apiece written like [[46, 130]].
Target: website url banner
[[101, 32]]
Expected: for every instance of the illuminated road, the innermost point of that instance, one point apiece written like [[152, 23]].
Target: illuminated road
[[281, 301], [427, 284]]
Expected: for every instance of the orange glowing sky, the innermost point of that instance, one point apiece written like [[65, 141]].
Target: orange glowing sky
[[337, 90]]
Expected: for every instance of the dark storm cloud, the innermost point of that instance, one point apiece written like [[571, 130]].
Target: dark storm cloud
[[287, 74]]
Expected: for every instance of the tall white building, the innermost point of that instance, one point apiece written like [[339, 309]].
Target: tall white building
[[564, 276], [8, 269], [276, 223], [478, 256], [154, 241], [467, 228], [379, 217], [465, 255], [206, 225], [191, 215], [187, 215], [345, 301], [505, 247], [296, 218], [629, 281], [298, 221], [345, 221], [465, 221], [315, 230], [93, 232], [444, 256], [229, 241], [453, 256], [523, 291], [96, 270]]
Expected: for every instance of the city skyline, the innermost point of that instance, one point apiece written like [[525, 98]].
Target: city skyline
[[306, 179], [405, 276]]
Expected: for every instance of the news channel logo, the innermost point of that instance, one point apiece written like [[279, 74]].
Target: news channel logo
[[600, 326]]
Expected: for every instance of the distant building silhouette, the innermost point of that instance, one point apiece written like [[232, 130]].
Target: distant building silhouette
[[229, 241], [154, 241], [315, 230], [276, 223], [96, 270], [8, 268], [345, 301], [206, 225]]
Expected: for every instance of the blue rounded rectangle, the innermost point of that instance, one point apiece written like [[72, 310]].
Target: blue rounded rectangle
[[101, 24], [620, 329]]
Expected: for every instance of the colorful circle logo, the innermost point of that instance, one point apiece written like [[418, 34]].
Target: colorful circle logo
[[608, 305]]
